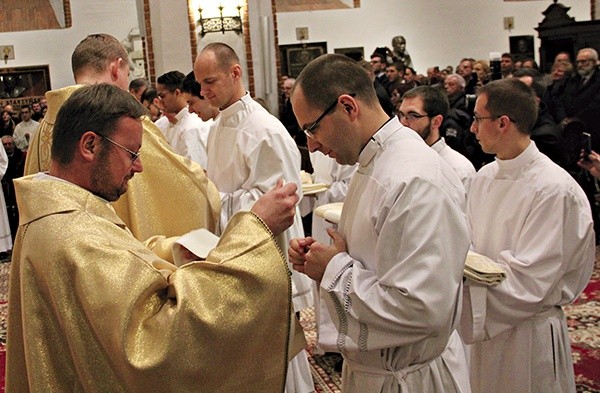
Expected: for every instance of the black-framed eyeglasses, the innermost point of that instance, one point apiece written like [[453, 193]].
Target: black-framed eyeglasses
[[411, 116], [310, 129], [133, 154]]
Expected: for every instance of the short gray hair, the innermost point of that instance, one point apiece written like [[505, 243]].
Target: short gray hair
[[459, 79]]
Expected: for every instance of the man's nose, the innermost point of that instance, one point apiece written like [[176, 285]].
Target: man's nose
[[137, 165], [312, 144], [473, 128]]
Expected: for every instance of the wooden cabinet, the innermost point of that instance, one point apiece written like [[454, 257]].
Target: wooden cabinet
[[561, 33], [23, 85]]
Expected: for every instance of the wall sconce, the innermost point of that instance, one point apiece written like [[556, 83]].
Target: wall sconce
[[221, 23], [7, 52]]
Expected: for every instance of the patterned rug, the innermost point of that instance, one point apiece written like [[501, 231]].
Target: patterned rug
[[4, 267], [322, 365], [583, 318]]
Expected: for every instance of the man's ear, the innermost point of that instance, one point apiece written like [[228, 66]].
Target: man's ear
[[350, 105], [504, 122], [114, 68], [88, 145], [436, 121], [236, 71]]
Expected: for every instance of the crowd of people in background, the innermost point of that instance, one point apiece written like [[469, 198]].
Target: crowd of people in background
[[18, 128], [466, 119]]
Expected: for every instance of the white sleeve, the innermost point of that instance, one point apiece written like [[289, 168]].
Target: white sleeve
[[267, 161]]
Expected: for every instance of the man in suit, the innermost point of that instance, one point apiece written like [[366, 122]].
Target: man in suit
[[379, 64], [582, 95]]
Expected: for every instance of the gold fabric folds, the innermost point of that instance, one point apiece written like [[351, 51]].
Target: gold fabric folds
[[170, 197], [93, 309]]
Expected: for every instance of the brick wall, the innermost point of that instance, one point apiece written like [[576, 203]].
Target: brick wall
[[248, 46], [277, 54], [193, 35], [68, 16], [148, 46]]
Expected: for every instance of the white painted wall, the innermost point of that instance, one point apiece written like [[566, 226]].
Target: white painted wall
[[437, 32], [54, 47], [170, 35], [262, 40]]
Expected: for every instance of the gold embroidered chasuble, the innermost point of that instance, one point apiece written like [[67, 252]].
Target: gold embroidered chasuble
[[172, 196], [93, 309]]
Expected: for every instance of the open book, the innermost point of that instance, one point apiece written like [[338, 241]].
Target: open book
[[483, 270]]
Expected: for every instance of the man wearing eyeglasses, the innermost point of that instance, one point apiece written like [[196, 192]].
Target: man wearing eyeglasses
[[581, 100], [168, 179], [390, 282], [531, 218], [185, 131], [423, 109], [91, 308], [151, 102]]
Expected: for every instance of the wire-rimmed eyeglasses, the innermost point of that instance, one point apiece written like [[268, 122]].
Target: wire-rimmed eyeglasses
[[134, 155]]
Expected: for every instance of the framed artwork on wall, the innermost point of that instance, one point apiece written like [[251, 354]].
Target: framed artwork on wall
[[313, 5], [23, 85], [296, 56], [521, 47], [357, 53]]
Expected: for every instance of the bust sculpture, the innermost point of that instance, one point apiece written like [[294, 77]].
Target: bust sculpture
[[399, 50]]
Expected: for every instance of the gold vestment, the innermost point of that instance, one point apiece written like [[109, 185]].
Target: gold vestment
[[93, 309], [172, 196]]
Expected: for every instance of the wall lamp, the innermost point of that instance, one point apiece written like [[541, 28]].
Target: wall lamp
[[221, 23]]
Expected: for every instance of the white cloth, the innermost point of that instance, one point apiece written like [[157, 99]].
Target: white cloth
[[532, 218], [5, 238], [248, 151], [25, 127], [392, 301], [188, 136], [461, 164]]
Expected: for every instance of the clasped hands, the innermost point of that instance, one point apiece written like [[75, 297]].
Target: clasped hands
[[311, 257]]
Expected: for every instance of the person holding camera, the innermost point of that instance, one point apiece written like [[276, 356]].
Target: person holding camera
[[591, 164]]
